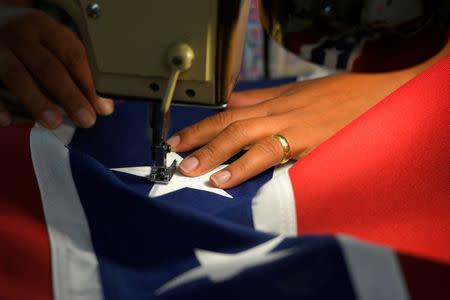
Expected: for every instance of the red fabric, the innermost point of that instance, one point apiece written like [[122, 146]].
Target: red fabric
[[385, 177], [24, 246]]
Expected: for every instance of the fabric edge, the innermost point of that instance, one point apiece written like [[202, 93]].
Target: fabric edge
[[273, 207], [374, 271], [75, 273]]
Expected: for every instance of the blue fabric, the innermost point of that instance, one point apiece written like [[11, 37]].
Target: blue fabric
[[121, 140], [261, 84], [142, 243]]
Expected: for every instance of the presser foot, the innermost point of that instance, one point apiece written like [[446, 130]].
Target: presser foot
[[162, 175]]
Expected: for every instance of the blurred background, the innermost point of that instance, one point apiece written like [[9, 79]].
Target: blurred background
[[264, 59]]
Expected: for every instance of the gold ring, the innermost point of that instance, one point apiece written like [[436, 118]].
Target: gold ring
[[286, 148]]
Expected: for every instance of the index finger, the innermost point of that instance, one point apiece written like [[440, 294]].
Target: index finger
[[204, 131]]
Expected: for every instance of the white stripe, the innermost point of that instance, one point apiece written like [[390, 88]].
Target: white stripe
[[65, 132], [273, 207], [374, 271], [75, 271]]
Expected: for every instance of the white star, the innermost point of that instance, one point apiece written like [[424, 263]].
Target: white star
[[178, 180], [219, 267]]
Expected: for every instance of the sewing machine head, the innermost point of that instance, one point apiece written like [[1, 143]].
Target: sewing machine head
[[172, 51], [127, 43]]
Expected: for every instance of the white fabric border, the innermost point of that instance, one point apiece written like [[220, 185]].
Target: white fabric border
[[75, 273], [65, 132], [273, 206], [375, 271]]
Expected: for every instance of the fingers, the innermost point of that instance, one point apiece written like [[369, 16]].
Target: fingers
[[17, 78], [232, 140], [42, 54], [204, 131], [252, 97], [5, 116], [261, 156], [66, 46], [52, 75]]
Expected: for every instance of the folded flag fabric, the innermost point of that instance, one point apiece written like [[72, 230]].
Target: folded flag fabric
[[364, 216]]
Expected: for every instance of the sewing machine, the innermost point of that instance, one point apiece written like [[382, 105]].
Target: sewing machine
[[163, 52], [189, 52]]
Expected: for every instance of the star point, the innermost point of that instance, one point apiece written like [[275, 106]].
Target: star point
[[178, 181], [219, 267]]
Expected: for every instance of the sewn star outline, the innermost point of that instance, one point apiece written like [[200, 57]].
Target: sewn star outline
[[219, 267], [178, 180]]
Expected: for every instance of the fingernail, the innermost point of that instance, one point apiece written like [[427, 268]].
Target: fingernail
[[189, 164], [5, 120], [51, 118], [221, 177], [105, 106], [85, 119], [174, 140]]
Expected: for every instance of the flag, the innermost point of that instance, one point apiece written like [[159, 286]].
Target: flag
[[364, 216]]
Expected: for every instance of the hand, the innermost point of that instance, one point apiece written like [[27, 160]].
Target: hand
[[38, 54], [306, 113]]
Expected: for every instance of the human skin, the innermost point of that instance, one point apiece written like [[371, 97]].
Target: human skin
[[306, 113], [36, 54]]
